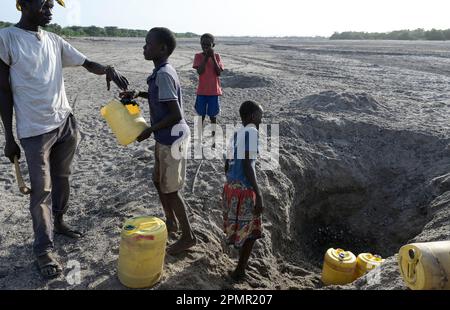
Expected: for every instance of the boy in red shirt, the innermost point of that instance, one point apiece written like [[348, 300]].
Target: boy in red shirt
[[209, 68]]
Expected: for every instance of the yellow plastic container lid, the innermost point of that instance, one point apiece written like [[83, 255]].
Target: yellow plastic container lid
[[144, 228], [340, 256]]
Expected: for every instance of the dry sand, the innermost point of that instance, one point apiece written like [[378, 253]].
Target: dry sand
[[364, 164]]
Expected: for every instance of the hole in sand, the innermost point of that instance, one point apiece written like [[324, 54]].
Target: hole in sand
[[350, 184], [360, 216]]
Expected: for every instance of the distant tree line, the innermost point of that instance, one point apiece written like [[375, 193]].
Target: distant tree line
[[418, 34], [93, 31], [4, 24]]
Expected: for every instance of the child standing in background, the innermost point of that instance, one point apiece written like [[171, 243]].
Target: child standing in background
[[209, 68]]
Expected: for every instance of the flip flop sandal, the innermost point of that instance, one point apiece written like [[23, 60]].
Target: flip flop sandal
[[71, 233], [53, 266]]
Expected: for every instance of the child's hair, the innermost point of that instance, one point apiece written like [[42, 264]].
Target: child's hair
[[207, 36], [166, 37], [248, 108]]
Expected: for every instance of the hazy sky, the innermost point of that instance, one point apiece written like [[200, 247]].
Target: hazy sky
[[251, 17]]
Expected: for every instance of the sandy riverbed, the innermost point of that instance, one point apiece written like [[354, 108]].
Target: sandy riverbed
[[364, 163]]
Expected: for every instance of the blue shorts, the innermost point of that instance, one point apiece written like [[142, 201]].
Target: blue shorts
[[207, 105]]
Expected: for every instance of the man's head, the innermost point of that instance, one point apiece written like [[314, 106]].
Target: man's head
[[251, 113], [207, 42], [37, 12], [159, 43]]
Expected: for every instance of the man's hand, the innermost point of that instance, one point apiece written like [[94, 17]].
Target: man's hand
[[12, 150], [145, 135], [111, 74], [132, 94], [115, 76], [259, 206]]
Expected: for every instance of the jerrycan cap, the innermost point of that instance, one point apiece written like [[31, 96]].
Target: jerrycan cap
[[129, 228], [341, 255]]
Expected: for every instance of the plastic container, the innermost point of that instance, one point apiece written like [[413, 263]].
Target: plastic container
[[426, 266], [125, 121], [338, 267], [366, 262], [142, 251]]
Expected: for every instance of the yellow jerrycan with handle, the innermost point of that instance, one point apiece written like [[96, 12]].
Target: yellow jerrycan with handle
[[366, 262], [125, 120], [338, 267], [142, 252], [426, 266]]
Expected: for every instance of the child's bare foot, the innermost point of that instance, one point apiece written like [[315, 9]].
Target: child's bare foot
[[182, 245], [237, 275]]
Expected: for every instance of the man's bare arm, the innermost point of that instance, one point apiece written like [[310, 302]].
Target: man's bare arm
[[111, 74], [6, 113]]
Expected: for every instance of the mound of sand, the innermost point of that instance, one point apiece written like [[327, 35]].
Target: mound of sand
[[232, 79], [331, 101]]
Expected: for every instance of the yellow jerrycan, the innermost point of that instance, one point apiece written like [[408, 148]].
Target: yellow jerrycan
[[426, 266], [142, 251], [338, 267], [125, 120], [366, 262]]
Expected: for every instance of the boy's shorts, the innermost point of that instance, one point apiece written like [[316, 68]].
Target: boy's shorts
[[170, 172], [207, 105]]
